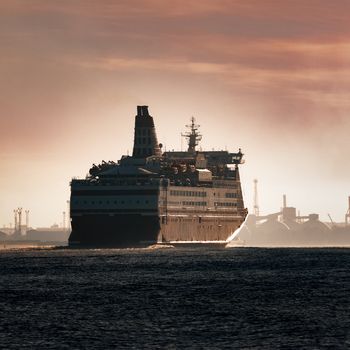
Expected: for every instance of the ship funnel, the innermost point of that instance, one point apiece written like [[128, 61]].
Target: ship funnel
[[145, 138], [142, 111]]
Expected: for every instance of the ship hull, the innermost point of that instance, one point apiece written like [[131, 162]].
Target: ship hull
[[198, 228], [117, 231], [135, 230]]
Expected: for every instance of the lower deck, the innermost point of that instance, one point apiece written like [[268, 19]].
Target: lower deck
[[133, 230]]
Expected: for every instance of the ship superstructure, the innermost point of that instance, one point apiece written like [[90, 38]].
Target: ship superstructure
[[153, 196]]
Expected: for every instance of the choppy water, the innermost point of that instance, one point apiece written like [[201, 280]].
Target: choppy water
[[175, 299]]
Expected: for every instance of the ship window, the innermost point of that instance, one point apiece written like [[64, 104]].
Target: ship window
[[122, 202], [146, 202], [115, 202], [138, 202], [100, 202], [93, 202]]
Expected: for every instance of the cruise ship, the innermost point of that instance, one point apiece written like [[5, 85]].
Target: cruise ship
[[187, 197]]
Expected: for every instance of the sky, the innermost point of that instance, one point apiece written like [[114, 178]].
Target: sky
[[271, 77]]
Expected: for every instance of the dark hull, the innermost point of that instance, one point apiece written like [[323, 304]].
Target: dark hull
[[135, 230], [118, 231]]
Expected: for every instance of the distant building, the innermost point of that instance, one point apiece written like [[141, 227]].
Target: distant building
[[48, 234]]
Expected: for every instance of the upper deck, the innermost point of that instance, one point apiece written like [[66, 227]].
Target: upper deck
[[149, 166]]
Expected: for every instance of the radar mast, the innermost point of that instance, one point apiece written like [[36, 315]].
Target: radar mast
[[193, 135]]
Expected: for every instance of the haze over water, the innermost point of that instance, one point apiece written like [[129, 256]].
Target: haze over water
[[175, 298]]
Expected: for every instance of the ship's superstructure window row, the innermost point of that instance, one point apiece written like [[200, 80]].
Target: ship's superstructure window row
[[194, 203], [188, 193], [225, 184], [225, 204], [137, 192], [108, 202], [231, 195]]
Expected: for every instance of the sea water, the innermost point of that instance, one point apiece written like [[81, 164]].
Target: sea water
[[239, 298]]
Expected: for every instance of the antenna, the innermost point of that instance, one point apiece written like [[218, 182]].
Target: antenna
[[256, 205], [15, 219], [19, 210], [27, 220], [64, 220], [193, 135]]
